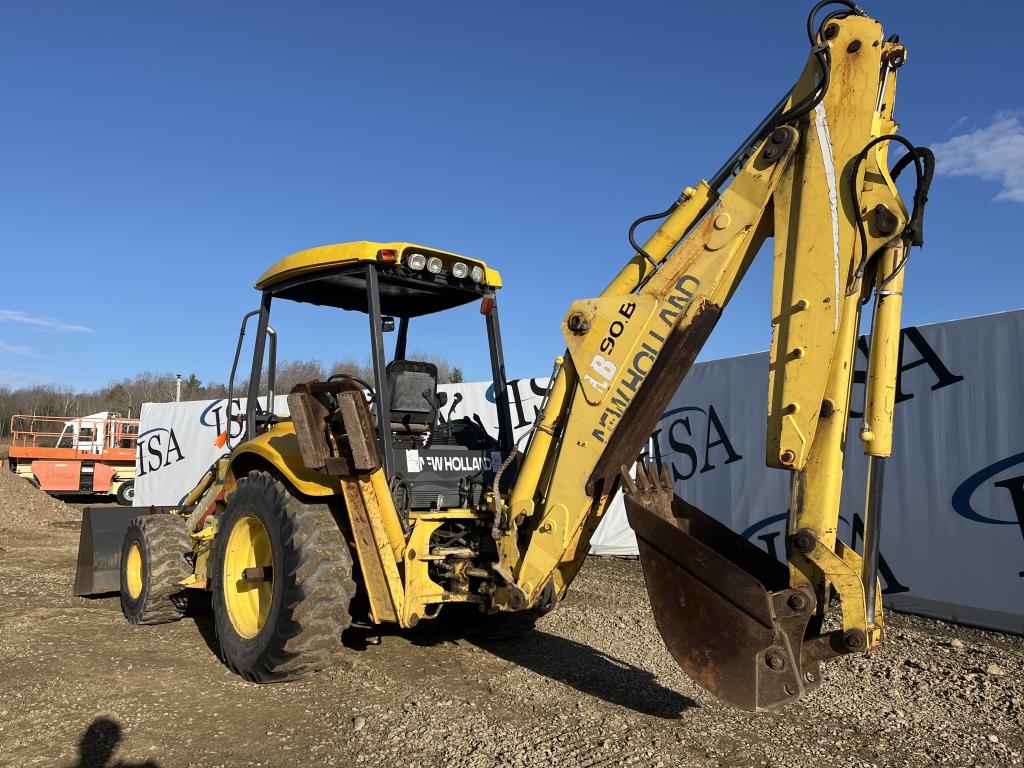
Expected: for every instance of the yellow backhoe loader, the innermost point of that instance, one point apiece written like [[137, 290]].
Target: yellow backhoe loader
[[362, 501]]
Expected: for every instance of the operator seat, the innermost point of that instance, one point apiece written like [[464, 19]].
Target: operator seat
[[412, 386]]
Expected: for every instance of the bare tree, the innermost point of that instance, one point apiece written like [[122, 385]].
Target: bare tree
[[126, 396]]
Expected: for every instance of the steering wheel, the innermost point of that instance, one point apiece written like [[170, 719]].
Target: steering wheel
[[372, 396]]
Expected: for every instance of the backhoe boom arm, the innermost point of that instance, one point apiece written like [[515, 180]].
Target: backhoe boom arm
[[815, 178]]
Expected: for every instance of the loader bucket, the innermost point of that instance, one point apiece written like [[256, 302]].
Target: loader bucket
[[723, 605], [99, 548]]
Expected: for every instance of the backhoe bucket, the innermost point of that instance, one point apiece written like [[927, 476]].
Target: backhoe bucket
[[99, 547], [723, 605]]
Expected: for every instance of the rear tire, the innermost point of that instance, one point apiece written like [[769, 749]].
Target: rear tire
[[289, 624], [126, 494], [154, 562]]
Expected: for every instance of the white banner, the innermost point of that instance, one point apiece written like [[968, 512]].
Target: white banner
[[953, 511], [952, 540], [178, 442]]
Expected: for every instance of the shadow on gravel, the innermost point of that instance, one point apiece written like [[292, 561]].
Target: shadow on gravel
[[200, 610], [99, 742], [591, 672], [574, 664]]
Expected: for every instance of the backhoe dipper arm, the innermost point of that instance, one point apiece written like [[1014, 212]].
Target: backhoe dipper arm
[[814, 176]]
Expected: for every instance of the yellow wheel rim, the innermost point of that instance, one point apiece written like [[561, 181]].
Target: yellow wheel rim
[[133, 571], [248, 603]]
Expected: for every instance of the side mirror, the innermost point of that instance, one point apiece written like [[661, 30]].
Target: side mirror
[[442, 399], [387, 324]]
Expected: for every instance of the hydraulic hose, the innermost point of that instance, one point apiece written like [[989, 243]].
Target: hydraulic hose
[[773, 120]]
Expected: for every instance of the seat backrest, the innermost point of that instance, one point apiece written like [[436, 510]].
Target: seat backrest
[[413, 392]]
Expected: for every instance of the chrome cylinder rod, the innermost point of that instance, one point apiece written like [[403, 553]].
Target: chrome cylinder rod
[[872, 530]]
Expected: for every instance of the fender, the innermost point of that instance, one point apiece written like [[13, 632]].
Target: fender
[[279, 447]]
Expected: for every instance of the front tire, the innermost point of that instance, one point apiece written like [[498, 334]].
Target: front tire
[[154, 562], [282, 583]]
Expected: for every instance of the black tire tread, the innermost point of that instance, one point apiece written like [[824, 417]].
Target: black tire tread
[[317, 590], [122, 499], [167, 544]]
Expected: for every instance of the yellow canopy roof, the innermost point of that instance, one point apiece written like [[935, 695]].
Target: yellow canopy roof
[[328, 257], [334, 276]]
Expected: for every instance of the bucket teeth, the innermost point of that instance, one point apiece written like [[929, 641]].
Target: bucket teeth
[[652, 489], [723, 606]]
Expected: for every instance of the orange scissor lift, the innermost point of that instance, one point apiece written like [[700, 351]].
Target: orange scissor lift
[[76, 455]]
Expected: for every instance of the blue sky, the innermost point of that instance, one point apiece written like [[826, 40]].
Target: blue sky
[[155, 158]]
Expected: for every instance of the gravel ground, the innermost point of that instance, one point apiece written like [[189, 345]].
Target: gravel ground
[[592, 686]]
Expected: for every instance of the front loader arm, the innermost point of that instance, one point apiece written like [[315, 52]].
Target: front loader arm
[[814, 176]]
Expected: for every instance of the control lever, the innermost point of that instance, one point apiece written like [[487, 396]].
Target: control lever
[[436, 401], [456, 399]]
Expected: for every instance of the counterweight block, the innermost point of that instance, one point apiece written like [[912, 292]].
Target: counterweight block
[[723, 605]]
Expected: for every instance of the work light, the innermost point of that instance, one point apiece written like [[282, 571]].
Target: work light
[[415, 261], [433, 265], [459, 270], [476, 274]]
